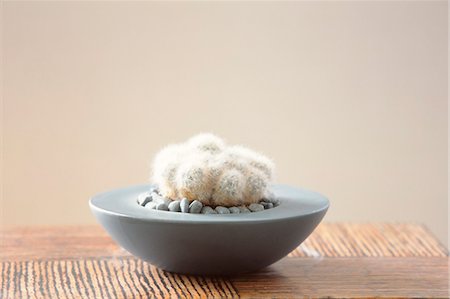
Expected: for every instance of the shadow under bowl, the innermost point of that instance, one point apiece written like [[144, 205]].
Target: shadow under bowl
[[209, 244]]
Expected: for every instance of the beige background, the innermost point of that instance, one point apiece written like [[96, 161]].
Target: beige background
[[349, 98]]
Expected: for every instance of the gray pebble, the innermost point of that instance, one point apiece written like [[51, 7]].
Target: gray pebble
[[184, 205], [162, 207], [256, 207], [208, 210], [195, 207], [160, 199], [244, 209], [267, 205], [174, 206], [272, 199], [154, 193], [222, 210], [275, 202], [151, 205], [144, 198], [234, 210]]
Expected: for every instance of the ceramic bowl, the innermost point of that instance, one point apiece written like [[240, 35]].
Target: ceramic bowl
[[213, 244]]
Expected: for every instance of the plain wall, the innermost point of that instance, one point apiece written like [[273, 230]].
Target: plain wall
[[348, 98]]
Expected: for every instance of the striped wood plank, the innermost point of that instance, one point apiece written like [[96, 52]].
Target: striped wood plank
[[371, 240], [127, 277], [83, 262], [124, 277]]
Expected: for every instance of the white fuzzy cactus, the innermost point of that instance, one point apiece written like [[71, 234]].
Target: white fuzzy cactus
[[204, 168]]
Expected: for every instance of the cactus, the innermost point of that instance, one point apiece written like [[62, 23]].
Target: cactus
[[204, 168]]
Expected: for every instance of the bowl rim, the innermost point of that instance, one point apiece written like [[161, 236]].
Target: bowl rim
[[294, 202]]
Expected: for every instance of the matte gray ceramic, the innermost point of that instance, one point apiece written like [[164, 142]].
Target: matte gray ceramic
[[209, 244]]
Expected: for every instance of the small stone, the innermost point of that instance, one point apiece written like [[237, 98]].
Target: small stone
[[222, 210], [162, 207], [272, 199], [144, 198], [184, 205], [256, 207], [243, 209], [151, 205], [267, 205], [160, 199], [234, 210], [195, 207], [174, 206], [208, 210], [275, 202]]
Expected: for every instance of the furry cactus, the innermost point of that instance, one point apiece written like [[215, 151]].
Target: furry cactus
[[206, 169]]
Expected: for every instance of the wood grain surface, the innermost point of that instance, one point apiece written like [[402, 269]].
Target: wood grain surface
[[337, 260]]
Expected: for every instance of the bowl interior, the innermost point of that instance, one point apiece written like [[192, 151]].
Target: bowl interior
[[294, 202]]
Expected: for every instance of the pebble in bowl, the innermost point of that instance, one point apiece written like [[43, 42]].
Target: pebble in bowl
[[195, 241]]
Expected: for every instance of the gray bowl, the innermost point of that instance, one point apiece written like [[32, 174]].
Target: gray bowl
[[209, 244]]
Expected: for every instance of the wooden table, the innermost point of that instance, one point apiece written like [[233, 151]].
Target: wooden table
[[337, 260]]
